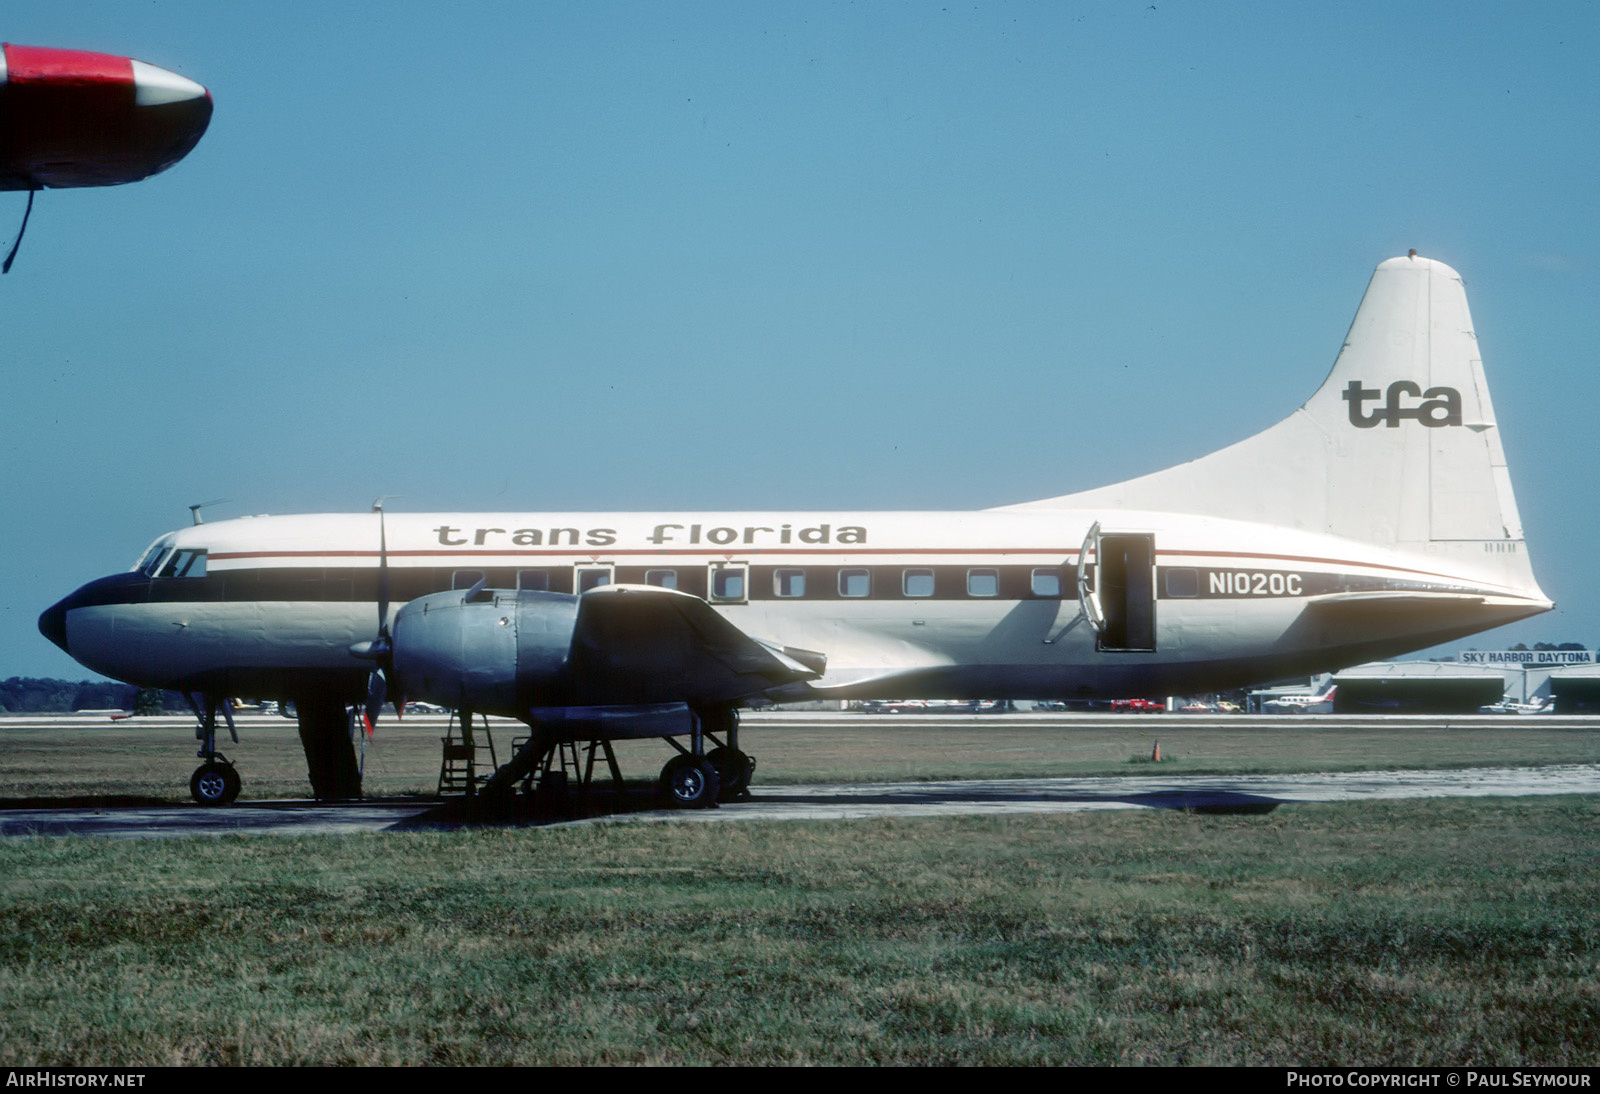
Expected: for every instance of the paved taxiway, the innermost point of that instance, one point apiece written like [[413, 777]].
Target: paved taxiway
[[1208, 793]]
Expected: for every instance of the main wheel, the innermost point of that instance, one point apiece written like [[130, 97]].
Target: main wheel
[[690, 783], [736, 770], [214, 784]]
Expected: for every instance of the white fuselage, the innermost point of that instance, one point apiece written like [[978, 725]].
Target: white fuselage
[[936, 604]]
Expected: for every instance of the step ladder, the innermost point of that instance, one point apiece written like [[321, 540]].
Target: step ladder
[[458, 771], [569, 766]]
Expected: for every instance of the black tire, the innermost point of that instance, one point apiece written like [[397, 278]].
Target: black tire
[[688, 783], [214, 784], [736, 770]]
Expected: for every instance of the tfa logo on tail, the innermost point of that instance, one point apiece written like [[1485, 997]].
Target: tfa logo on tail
[[1443, 406]]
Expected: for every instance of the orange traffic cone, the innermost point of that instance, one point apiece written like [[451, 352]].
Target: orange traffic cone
[[1155, 753]]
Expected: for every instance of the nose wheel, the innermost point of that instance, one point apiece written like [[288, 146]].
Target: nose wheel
[[214, 783]]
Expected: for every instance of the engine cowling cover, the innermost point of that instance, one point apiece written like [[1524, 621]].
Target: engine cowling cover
[[491, 651]]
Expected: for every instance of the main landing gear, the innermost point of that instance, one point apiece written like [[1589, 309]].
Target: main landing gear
[[690, 782], [214, 782], [697, 779]]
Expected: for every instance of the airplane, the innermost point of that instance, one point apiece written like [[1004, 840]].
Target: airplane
[[1301, 704], [1376, 519], [1538, 705], [70, 118]]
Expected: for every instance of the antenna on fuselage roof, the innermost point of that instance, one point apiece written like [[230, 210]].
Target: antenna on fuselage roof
[[194, 510]]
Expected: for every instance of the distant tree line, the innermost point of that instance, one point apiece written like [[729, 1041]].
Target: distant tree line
[[44, 695]]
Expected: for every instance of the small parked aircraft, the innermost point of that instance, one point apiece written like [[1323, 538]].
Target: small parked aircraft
[[1301, 704]]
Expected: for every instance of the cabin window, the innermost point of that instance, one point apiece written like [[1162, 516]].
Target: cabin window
[[855, 582], [537, 581], [789, 582], [185, 563], [593, 579], [916, 582], [666, 579], [1183, 582], [465, 579], [727, 583], [1047, 582], [983, 582]]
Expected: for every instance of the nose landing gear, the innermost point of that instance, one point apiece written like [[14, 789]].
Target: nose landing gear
[[214, 782]]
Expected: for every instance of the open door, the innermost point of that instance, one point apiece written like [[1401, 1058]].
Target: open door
[[1119, 593], [1088, 598]]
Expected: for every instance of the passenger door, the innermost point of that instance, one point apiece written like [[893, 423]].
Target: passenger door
[[1118, 591]]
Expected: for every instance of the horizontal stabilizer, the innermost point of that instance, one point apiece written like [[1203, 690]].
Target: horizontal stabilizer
[[1418, 613], [1358, 603]]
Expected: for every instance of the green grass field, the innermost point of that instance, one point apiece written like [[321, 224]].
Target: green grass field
[[1438, 932], [1428, 932]]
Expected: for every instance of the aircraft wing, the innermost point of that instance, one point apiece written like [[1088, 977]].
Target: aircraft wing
[[643, 644]]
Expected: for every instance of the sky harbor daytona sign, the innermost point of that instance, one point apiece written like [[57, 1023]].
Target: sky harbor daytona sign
[[1526, 657]]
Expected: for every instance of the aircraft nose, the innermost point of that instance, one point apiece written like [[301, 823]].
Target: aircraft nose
[[53, 624]]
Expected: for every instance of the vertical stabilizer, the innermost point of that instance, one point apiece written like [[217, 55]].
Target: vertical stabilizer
[[1399, 447]]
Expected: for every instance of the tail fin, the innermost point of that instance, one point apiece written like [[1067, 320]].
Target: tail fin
[[1398, 447]]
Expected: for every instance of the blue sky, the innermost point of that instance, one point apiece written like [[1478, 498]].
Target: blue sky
[[724, 256]]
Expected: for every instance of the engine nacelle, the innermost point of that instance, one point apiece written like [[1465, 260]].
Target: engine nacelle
[[618, 646], [491, 651]]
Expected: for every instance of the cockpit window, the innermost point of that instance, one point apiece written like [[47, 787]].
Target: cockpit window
[[185, 563], [150, 562]]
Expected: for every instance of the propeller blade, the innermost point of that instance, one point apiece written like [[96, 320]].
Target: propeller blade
[[381, 648], [376, 689], [383, 573]]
